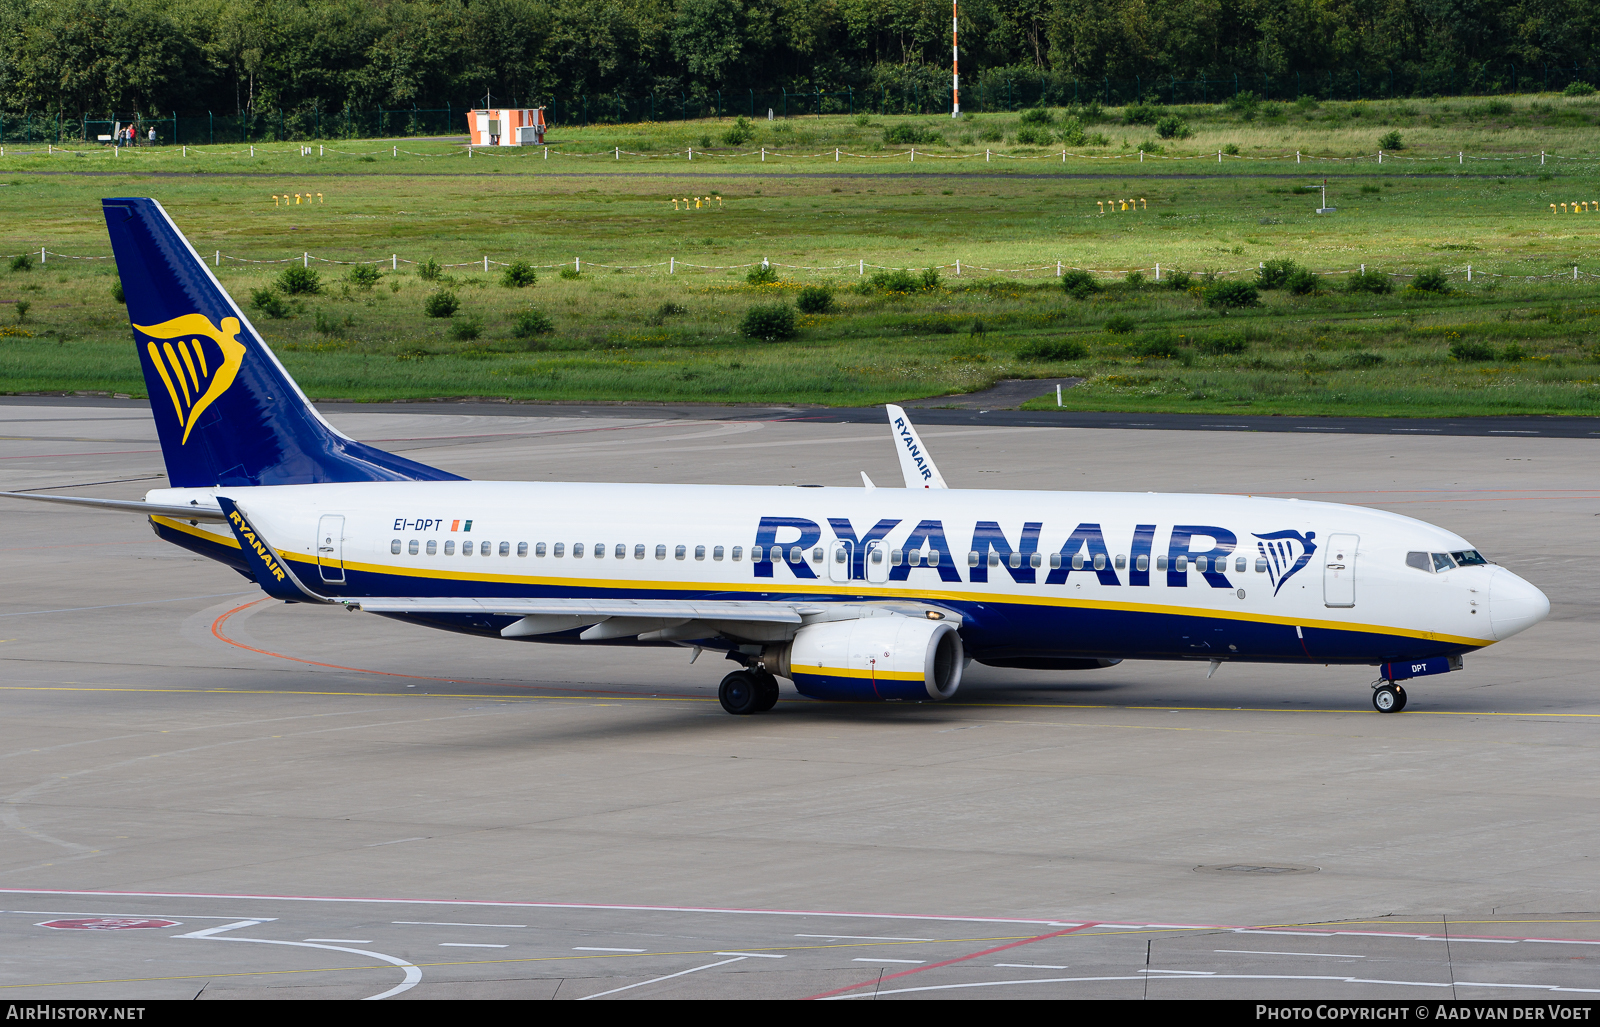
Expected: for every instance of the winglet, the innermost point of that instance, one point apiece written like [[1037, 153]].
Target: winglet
[[268, 568], [915, 463]]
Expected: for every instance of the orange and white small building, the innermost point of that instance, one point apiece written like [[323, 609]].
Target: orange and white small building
[[506, 126]]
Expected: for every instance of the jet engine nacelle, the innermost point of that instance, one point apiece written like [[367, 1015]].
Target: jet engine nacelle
[[874, 658]]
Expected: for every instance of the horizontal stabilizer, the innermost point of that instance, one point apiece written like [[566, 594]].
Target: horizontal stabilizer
[[136, 506]]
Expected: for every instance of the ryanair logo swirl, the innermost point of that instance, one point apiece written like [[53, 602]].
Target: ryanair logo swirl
[[197, 362]]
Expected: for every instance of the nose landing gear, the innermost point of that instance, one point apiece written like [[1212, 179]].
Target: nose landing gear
[[1388, 697]]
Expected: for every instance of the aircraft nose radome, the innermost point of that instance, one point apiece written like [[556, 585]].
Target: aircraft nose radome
[[1514, 604]]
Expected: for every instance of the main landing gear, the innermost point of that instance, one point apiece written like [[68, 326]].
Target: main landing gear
[[748, 691], [1387, 697]]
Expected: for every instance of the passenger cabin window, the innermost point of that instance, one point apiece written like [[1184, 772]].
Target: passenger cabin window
[[1055, 561], [1442, 562], [638, 552], [1035, 560], [558, 550], [738, 553], [411, 547], [1142, 563], [466, 548], [716, 553], [1161, 563], [450, 548], [485, 547], [522, 549], [538, 549], [621, 552], [1239, 564], [577, 550], [679, 552], [1122, 562], [433, 546], [505, 549], [661, 552], [599, 550], [394, 547], [699, 552], [1261, 565], [896, 557], [795, 555]]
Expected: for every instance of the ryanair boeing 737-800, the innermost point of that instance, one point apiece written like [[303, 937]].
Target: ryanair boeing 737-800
[[850, 593]]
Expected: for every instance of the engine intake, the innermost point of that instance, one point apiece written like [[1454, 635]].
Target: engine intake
[[874, 658]]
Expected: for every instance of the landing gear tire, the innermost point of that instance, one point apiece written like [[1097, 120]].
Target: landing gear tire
[[767, 692], [1388, 698], [740, 693]]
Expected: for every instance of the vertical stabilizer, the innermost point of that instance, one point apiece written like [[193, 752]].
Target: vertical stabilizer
[[915, 463], [226, 411]]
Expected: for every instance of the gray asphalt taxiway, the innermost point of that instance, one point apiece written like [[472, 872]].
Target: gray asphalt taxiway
[[206, 793]]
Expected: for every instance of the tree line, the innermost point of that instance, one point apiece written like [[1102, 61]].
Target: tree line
[[238, 56]]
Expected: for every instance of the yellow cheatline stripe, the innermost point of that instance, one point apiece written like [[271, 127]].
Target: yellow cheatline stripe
[[841, 672], [869, 592], [166, 379]]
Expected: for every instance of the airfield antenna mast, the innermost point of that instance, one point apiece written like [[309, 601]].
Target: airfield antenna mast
[[955, 60]]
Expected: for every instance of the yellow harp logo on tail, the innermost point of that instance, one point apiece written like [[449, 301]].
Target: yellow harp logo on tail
[[194, 377]]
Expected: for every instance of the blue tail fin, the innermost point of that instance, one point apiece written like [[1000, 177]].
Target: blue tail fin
[[227, 412]]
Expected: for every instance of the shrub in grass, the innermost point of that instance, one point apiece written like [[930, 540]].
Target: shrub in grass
[[930, 279], [269, 303], [518, 275], [332, 327], [910, 135], [1120, 324], [1227, 296], [1037, 116], [530, 323], [1080, 285], [762, 275], [1369, 281], [466, 328], [1432, 281], [1034, 135], [1391, 141], [1157, 344], [1173, 127], [1365, 358], [441, 304], [430, 270], [1302, 282], [117, 293], [815, 299], [571, 274], [1467, 351], [769, 323], [1141, 113], [299, 281], [363, 276], [1180, 281], [22, 262], [1274, 274], [1053, 350], [892, 281], [740, 132], [1514, 353], [1232, 149], [22, 307], [1578, 89], [1135, 279], [1221, 345]]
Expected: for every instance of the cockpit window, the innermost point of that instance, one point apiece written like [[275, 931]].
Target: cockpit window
[[1418, 560], [1442, 562], [1468, 558]]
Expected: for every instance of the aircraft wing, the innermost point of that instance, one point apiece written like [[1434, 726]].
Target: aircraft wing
[[699, 609]]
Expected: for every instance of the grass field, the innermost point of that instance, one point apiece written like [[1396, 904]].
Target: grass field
[[1522, 337]]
